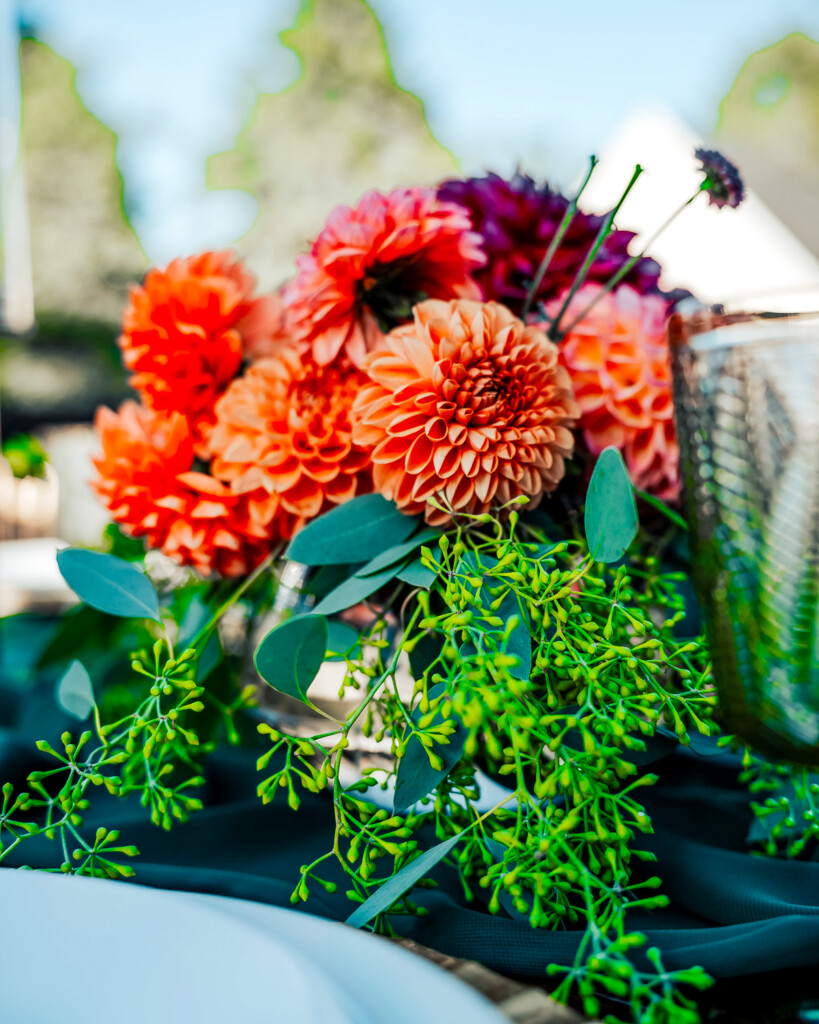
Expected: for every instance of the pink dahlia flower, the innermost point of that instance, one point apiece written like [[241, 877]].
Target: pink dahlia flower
[[371, 264]]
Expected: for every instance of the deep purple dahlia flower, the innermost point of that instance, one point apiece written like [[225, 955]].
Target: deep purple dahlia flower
[[518, 219], [723, 182]]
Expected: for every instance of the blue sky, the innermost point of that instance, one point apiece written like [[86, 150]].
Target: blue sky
[[540, 83]]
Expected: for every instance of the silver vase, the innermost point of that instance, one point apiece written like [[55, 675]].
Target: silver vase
[[747, 403]]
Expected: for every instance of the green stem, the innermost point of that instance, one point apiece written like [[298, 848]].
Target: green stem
[[553, 245], [246, 584], [612, 283], [602, 234], [661, 506]]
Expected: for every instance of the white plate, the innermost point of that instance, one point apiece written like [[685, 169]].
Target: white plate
[[84, 951]]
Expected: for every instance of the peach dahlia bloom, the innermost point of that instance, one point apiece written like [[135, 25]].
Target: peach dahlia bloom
[[371, 264], [185, 331], [283, 436], [147, 482], [467, 403], [618, 360]]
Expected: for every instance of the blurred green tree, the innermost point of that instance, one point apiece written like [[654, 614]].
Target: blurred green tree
[[769, 123], [343, 127]]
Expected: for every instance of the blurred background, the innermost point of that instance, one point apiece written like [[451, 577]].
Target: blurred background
[[132, 133]]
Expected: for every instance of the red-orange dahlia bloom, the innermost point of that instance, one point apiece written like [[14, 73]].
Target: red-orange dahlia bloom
[[283, 431], [370, 265], [147, 482], [466, 402], [618, 359], [185, 331]]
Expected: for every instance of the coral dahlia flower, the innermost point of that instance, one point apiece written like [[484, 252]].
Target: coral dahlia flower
[[185, 331], [466, 405], [371, 264], [517, 221], [147, 482], [618, 360], [267, 329], [283, 432]]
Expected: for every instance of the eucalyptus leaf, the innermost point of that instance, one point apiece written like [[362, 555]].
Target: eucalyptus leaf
[[399, 552], [416, 777], [291, 654], [417, 574], [611, 513], [75, 692], [109, 584], [196, 615], [354, 590], [353, 532], [341, 637], [425, 652], [210, 657], [325, 578], [394, 888]]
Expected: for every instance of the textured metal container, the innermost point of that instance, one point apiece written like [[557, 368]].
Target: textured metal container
[[747, 402]]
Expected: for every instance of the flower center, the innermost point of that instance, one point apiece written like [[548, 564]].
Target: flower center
[[390, 292], [490, 388]]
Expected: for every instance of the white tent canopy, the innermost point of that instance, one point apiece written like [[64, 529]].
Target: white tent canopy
[[718, 254]]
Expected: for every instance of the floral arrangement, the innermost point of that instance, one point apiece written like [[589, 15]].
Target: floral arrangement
[[445, 416]]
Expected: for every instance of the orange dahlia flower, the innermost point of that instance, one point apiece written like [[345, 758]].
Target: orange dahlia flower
[[618, 359], [185, 331], [267, 329], [283, 431], [147, 482], [370, 265], [466, 402]]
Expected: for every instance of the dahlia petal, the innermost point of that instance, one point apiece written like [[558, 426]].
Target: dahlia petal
[[457, 433], [203, 483], [419, 454], [403, 492], [173, 502], [305, 499], [470, 462], [424, 486], [208, 510], [485, 486], [330, 342], [225, 539], [459, 492], [409, 423], [436, 429], [390, 448], [341, 489], [442, 452], [321, 472]]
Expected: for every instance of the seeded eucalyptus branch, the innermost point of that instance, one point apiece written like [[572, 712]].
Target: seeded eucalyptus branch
[[557, 675], [149, 753], [152, 751], [552, 667]]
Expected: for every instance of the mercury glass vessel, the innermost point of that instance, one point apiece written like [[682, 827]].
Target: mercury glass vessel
[[747, 402]]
